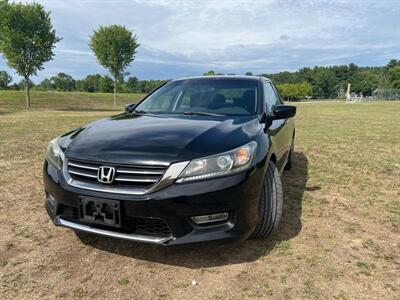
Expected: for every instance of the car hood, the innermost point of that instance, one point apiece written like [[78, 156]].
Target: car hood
[[135, 138]]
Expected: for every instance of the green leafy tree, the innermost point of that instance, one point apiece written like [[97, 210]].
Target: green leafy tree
[[284, 77], [294, 91], [394, 77], [79, 85], [106, 84], [132, 84], [27, 39], [393, 63], [211, 73], [115, 48], [3, 7], [14, 86], [45, 85], [91, 83], [63, 82], [331, 82], [5, 79], [365, 82], [146, 86], [95, 83], [325, 84], [123, 88]]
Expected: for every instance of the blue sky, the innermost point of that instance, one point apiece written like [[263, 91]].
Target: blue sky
[[184, 38]]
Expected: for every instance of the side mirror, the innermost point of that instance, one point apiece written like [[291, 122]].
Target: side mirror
[[284, 112], [130, 107]]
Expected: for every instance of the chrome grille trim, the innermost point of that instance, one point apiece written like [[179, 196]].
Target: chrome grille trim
[[131, 237], [138, 175], [170, 175], [145, 172], [134, 180], [82, 174], [82, 166]]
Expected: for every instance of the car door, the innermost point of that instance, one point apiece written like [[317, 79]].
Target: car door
[[287, 132], [279, 131]]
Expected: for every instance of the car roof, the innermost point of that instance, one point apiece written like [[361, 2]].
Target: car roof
[[223, 77]]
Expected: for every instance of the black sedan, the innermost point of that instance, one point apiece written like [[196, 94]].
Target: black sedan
[[198, 160]]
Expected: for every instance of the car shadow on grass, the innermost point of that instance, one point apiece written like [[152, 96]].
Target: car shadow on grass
[[203, 256]]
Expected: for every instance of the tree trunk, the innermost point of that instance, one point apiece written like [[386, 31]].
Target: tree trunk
[[115, 92], [27, 95]]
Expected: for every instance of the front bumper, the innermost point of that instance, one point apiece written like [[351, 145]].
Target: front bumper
[[174, 205]]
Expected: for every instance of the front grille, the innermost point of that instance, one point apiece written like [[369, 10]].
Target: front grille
[[146, 226], [126, 175], [66, 211], [137, 225]]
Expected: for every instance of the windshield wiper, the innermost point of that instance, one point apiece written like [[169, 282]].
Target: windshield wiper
[[139, 111], [201, 113]]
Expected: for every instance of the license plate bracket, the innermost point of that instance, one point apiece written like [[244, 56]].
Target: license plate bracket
[[100, 211]]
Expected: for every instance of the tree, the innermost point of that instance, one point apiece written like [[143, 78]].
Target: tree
[[3, 7], [5, 79], [115, 48], [211, 73], [91, 83], [106, 84], [294, 91], [393, 63], [365, 82], [14, 86], [132, 84], [63, 82], [248, 74], [45, 85], [394, 77], [325, 84], [27, 39]]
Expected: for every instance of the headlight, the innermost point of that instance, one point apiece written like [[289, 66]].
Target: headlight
[[54, 154], [218, 165]]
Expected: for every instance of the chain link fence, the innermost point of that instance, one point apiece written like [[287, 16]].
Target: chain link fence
[[386, 94]]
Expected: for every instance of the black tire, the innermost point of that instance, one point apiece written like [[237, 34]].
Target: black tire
[[289, 163], [271, 203]]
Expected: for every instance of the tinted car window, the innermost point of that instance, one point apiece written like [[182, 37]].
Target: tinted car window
[[213, 95], [270, 97]]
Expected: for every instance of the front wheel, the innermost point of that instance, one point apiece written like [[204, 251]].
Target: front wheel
[[271, 203]]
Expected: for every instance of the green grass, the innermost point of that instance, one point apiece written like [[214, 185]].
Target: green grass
[[13, 101]]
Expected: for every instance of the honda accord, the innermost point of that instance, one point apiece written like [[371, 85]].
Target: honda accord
[[197, 160]]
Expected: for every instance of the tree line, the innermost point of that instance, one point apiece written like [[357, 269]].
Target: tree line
[[318, 82], [95, 83], [331, 82]]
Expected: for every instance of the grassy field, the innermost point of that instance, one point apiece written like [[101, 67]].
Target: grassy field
[[12, 101], [339, 238]]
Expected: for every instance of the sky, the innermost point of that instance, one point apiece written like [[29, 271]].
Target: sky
[[186, 38]]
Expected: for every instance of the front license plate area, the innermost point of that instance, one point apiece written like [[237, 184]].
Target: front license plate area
[[99, 211]]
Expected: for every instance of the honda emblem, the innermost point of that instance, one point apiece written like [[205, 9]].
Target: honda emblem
[[106, 174]]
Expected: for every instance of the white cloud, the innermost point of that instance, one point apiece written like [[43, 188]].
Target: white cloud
[[187, 37]]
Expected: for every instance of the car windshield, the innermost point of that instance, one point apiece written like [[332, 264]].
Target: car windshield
[[213, 96]]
